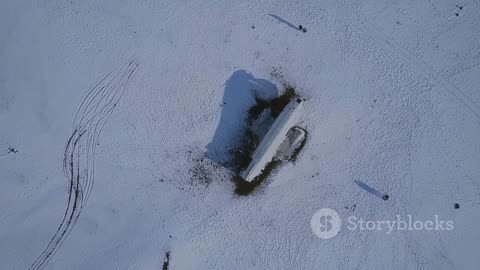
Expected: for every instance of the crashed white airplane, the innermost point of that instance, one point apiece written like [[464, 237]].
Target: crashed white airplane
[[280, 142]]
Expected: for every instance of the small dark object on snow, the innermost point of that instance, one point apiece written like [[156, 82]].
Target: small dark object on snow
[[457, 14], [385, 197], [456, 205], [301, 28], [253, 26], [12, 150], [166, 261], [459, 7]]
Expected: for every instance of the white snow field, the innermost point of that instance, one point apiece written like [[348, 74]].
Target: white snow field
[[116, 114]]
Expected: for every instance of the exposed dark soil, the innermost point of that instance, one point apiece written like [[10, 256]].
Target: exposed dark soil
[[244, 188], [166, 261]]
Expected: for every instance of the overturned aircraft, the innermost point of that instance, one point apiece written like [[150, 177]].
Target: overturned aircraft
[[281, 141]]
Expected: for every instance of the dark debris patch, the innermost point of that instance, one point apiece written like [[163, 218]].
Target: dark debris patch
[[204, 171], [278, 104], [166, 261], [244, 188]]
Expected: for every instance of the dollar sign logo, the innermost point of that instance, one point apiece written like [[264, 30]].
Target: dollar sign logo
[[326, 223]]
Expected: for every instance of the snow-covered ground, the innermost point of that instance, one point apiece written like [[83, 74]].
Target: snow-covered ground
[[392, 102]]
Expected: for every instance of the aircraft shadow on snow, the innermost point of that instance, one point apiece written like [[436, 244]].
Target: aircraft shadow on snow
[[240, 92]]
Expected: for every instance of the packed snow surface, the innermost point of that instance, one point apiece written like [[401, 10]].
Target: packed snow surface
[[116, 115]]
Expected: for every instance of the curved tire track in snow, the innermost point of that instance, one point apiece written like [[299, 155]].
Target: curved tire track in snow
[[79, 156], [90, 118]]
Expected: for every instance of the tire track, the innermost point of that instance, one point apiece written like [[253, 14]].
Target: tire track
[[90, 118], [79, 156]]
